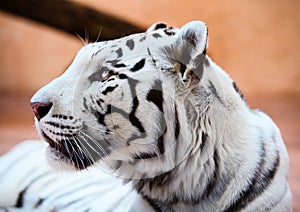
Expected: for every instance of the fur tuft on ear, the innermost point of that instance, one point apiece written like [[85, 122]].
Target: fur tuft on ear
[[193, 37], [190, 50]]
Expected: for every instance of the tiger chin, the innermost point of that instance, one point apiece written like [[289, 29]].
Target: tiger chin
[[161, 114]]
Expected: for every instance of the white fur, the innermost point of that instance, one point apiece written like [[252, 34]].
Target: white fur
[[219, 137]]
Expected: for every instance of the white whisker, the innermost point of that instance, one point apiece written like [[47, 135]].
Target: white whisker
[[67, 148], [103, 151], [78, 157], [92, 140], [99, 34], [83, 151], [81, 39]]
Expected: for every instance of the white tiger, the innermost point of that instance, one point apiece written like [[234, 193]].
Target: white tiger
[[155, 111]]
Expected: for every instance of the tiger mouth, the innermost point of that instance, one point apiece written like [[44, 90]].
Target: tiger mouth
[[80, 151]]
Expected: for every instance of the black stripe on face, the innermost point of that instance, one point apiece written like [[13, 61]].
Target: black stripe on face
[[155, 95], [120, 65], [100, 118], [109, 89], [139, 65], [123, 76], [133, 119], [259, 183], [131, 116]]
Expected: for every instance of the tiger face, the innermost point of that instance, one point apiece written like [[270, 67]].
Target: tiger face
[[157, 111], [119, 100]]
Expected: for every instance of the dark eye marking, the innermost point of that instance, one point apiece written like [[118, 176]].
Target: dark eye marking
[[110, 79], [133, 119], [109, 89], [98, 75], [139, 65]]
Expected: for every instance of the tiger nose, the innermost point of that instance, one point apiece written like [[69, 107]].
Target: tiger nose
[[40, 109]]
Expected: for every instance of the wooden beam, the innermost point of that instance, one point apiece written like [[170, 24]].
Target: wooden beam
[[71, 17]]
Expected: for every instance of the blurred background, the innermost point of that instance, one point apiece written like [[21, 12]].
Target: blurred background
[[257, 42]]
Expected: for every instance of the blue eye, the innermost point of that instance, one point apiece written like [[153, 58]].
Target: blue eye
[[107, 74]]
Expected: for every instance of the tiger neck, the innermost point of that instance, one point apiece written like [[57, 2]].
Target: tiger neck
[[189, 183], [193, 179]]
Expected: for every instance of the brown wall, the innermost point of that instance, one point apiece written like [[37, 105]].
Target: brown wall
[[32, 54], [256, 41]]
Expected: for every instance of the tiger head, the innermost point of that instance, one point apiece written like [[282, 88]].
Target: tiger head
[[130, 102]]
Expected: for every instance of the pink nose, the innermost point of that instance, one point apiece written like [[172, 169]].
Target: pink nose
[[40, 109]]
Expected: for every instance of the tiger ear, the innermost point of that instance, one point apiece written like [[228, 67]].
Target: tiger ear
[[192, 45], [156, 26]]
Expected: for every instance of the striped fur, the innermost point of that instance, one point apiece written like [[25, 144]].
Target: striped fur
[[27, 183], [157, 112]]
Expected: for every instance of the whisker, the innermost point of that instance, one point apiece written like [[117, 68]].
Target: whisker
[[78, 142], [92, 139], [67, 148], [77, 157], [85, 152], [99, 34], [81, 152], [81, 39], [84, 136], [86, 36]]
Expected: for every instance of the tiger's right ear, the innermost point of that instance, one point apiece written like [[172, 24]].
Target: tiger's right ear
[[192, 41], [156, 26], [191, 50]]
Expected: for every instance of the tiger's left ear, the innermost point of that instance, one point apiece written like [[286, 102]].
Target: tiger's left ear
[[191, 49]]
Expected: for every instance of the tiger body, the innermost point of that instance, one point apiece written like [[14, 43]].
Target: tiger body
[[156, 111]]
